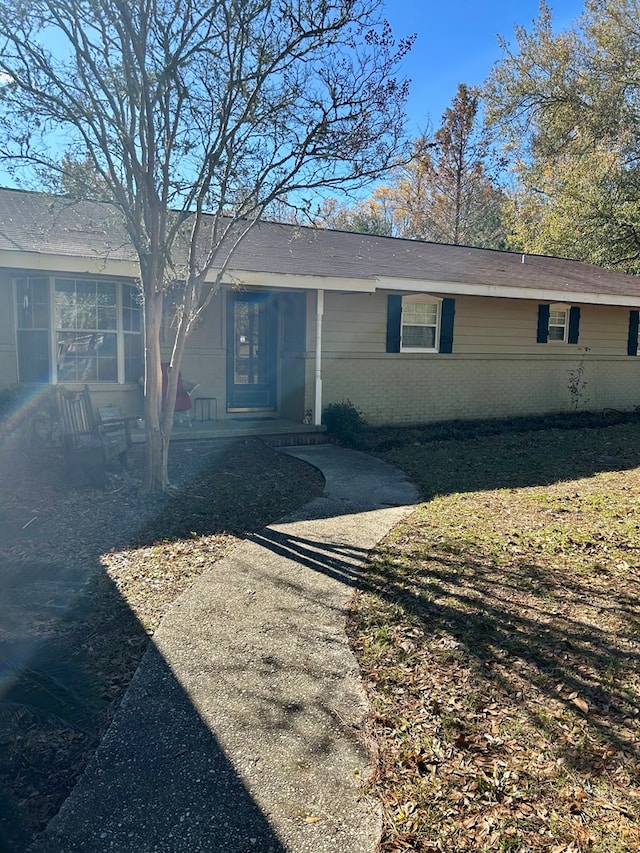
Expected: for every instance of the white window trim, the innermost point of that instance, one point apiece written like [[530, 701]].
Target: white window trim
[[422, 297], [565, 310], [52, 330]]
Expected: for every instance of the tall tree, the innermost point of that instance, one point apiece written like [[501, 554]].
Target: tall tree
[[444, 192], [463, 204], [567, 106], [192, 118]]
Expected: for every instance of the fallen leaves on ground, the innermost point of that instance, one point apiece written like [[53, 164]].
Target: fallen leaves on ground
[[498, 633]]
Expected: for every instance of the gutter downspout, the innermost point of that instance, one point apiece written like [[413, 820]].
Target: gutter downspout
[[317, 409]]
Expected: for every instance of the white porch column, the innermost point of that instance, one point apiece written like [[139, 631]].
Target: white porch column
[[317, 408]]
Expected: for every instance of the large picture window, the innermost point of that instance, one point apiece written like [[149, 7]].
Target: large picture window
[[78, 330]]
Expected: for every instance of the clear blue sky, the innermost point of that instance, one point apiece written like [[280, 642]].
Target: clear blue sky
[[457, 43]]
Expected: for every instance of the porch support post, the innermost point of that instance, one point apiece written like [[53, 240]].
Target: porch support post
[[317, 409]]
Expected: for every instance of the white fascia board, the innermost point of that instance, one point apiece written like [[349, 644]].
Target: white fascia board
[[54, 263], [39, 262], [538, 294], [237, 278]]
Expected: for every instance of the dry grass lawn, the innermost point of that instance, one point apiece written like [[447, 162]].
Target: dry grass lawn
[[499, 639]]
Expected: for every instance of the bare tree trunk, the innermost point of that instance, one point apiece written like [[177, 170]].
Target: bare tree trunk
[[155, 476], [192, 291]]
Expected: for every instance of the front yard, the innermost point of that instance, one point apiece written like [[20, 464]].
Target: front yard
[[497, 629], [499, 638]]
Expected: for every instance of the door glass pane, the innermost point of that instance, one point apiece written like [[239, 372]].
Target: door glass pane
[[250, 343]]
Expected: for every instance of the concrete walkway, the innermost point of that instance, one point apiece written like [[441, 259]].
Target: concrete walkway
[[241, 729]]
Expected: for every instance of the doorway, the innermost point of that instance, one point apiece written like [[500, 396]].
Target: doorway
[[252, 352]]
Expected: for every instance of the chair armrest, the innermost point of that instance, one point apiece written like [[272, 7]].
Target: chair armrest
[[117, 424]]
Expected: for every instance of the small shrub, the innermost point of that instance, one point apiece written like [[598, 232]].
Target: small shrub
[[344, 421], [28, 413]]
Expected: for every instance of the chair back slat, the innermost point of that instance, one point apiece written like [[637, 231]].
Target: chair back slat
[[76, 416]]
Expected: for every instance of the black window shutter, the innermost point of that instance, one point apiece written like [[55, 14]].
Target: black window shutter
[[634, 322], [394, 319], [446, 325], [543, 324], [574, 324]]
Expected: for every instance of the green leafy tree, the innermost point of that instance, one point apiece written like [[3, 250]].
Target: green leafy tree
[[192, 119], [567, 107]]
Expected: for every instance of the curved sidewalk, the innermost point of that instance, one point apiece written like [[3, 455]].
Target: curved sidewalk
[[241, 728]]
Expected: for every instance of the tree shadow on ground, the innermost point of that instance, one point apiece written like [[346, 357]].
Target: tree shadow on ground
[[516, 460], [524, 626], [58, 723]]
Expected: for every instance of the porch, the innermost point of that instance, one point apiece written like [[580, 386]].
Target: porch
[[278, 432]]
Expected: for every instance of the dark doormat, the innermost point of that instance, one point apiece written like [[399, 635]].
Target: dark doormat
[[250, 420]]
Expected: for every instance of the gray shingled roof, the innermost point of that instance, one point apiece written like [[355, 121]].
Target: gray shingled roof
[[49, 225]]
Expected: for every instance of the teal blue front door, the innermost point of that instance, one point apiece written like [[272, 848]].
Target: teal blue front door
[[252, 352]]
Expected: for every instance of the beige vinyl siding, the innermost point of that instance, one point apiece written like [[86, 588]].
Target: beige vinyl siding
[[483, 325], [504, 326], [604, 330], [354, 322], [204, 357], [498, 326]]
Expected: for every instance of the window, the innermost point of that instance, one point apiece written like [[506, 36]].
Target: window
[[558, 323], [78, 330], [32, 298], [420, 324], [132, 332], [86, 333]]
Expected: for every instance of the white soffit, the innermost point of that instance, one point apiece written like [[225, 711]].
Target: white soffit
[[237, 278], [508, 292], [53, 263], [44, 263]]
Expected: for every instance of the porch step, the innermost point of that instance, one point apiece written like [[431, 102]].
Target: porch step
[[296, 439], [277, 432]]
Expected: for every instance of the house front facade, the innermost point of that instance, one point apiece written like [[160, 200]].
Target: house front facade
[[410, 332]]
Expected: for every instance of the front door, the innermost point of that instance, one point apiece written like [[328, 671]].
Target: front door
[[252, 352]]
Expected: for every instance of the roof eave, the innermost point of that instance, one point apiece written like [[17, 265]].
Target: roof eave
[[539, 294]]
